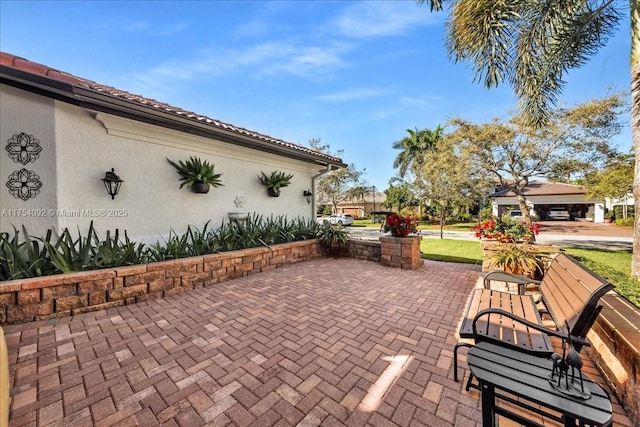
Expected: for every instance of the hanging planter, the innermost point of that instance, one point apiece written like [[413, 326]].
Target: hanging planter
[[199, 175], [200, 187], [272, 192], [275, 182]]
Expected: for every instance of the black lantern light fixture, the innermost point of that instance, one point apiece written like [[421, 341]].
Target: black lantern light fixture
[[112, 183], [307, 195]]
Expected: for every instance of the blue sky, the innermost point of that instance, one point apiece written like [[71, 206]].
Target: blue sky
[[356, 74]]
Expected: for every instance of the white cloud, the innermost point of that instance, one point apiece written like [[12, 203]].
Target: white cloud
[[310, 62], [352, 95], [365, 19], [145, 27]]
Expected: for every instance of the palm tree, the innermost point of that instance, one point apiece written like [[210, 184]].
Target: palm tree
[[531, 44], [414, 148]]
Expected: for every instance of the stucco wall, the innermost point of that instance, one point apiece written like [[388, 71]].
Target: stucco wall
[[35, 116], [150, 203]]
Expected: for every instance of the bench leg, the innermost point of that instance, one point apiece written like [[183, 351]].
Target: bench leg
[[455, 358], [488, 398]]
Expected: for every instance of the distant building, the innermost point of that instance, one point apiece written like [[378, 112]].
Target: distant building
[[364, 207], [542, 196]]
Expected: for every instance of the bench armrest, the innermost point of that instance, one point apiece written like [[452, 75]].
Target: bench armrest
[[574, 339]]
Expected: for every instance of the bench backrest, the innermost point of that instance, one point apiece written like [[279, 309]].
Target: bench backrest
[[571, 293]]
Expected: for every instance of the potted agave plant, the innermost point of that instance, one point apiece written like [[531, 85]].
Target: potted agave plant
[[275, 182], [519, 259], [333, 238], [199, 175]]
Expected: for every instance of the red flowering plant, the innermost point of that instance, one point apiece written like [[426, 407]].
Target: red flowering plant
[[506, 230], [401, 226]]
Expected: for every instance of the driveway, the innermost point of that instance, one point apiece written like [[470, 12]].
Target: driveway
[[585, 235]]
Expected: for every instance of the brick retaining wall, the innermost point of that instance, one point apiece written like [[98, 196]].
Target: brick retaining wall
[[62, 295], [364, 249]]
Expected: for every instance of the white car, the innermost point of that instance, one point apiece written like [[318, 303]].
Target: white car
[[516, 214], [340, 219], [558, 213]]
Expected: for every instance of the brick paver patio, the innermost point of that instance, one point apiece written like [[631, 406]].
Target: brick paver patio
[[324, 342]]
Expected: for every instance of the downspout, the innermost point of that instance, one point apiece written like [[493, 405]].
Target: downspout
[[313, 189]]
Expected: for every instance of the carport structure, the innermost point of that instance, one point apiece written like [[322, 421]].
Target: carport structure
[[542, 196], [322, 342]]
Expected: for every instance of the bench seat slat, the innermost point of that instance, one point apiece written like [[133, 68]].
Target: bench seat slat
[[498, 328]]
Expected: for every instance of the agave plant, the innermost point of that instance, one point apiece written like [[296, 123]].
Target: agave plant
[[518, 259], [197, 174], [275, 182]]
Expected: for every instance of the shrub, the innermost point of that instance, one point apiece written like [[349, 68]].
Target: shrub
[[624, 222], [23, 256]]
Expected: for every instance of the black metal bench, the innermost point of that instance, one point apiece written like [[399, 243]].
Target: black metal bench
[[569, 296]]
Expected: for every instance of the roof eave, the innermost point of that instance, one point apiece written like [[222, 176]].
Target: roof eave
[[95, 100]]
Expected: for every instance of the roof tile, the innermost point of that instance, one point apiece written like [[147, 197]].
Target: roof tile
[[540, 188]]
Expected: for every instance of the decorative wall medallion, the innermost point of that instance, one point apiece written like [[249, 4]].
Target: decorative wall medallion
[[23, 148], [24, 184]]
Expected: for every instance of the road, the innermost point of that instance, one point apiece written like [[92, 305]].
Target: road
[[592, 236]]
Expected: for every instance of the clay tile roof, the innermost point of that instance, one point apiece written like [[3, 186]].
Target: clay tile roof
[[22, 64], [542, 188]]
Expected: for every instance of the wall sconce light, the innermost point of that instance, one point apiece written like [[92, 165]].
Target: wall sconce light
[[112, 183], [308, 195]]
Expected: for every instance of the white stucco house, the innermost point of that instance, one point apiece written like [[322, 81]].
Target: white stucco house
[[60, 134], [542, 196]]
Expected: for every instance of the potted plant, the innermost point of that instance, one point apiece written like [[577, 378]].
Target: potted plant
[[198, 174], [518, 259], [506, 229], [609, 217], [400, 226], [333, 237], [275, 182]]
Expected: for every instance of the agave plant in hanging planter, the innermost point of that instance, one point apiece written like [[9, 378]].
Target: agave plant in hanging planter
[[197, 174], [275, 182]]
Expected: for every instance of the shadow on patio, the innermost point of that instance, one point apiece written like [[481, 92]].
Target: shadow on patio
[[331, 342]]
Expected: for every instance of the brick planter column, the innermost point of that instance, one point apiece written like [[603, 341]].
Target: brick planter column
[[401, 252]]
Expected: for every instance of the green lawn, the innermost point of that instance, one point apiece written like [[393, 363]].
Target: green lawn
[[615, 266], [450, 250], [459, 226]]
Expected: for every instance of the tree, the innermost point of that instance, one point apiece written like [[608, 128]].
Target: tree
[[531, 44], [513, 152], [414, 149], [399, 194], [449, 179], [614, 182], [334, 186]]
